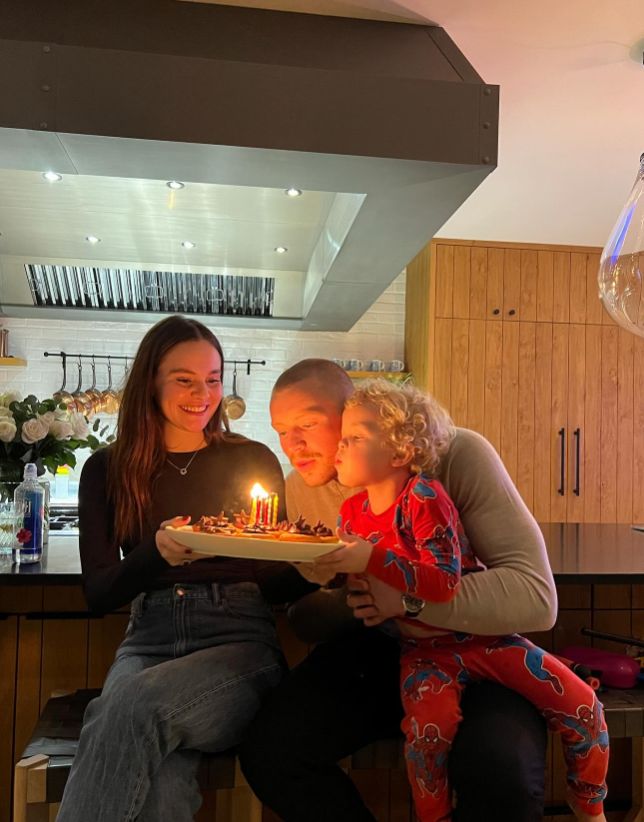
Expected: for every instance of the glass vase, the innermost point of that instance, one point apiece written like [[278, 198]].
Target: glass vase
[[7, 513]]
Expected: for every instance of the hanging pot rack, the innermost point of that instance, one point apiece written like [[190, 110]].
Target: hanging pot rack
[[65, 355]]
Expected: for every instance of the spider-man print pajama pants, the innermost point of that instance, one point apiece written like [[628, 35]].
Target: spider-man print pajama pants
[[433, 674]]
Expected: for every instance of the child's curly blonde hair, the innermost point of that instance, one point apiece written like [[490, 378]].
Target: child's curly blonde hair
[[408, 416]]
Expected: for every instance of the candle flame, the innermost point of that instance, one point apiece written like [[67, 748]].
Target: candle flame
[[257, 492]]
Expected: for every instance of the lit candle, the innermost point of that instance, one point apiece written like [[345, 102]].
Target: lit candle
[[257, 496]]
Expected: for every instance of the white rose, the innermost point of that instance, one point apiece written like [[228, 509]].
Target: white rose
[[8, 397], [48, 417], [61, 429], [34, 430], [7, 430], [79, 425], [4, 412], [61, 414]]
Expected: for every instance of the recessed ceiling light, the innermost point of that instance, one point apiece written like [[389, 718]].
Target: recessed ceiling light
[[293, 192], [188, 244], [281, 249], [175, 185], [52, 176], [92, 239]]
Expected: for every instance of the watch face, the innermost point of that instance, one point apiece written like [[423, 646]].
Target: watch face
[[412, 605]]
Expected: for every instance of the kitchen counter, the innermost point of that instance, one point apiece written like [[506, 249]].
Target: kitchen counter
[[60, 564], [594, 552], [578, 553]]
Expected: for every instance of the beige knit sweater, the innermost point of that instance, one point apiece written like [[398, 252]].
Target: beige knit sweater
[[516, 593]]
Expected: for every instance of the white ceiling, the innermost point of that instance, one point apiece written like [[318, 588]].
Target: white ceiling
[[572, 107]]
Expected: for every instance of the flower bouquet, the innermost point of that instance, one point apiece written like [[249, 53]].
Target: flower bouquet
[[44, 432]]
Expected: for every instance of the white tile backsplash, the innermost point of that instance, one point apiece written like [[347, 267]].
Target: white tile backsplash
[[379, 334]]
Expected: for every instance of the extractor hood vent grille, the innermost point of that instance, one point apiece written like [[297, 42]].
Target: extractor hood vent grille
[[125, 289]]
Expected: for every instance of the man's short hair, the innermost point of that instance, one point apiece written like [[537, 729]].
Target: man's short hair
[[325, 373]]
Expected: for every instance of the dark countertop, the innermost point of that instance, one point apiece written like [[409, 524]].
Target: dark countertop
[[578, 553], [594, 552], [60, 564]]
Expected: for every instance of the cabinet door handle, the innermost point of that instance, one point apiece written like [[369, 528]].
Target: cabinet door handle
[[562, 481], [577, 436]]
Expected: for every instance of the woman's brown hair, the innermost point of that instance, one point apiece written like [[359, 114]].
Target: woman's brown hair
[[137, 456]]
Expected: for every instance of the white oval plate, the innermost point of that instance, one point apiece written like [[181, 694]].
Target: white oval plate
[[225, 546]]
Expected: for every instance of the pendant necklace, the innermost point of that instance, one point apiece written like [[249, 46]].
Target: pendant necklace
[[183, 471]]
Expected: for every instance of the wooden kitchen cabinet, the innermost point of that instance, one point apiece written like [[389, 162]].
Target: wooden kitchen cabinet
[[519, 348]]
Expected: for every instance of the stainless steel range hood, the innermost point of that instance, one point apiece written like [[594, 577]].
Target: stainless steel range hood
[[384, 127]]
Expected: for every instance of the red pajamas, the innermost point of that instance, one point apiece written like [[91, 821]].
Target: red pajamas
[[433, 674], [420, 548]]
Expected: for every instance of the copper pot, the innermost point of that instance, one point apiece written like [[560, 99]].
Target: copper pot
[[234, 405]]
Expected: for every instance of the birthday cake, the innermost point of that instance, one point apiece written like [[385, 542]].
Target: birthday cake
[[243, 525]]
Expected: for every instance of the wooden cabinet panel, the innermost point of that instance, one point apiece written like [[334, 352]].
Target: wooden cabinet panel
[[493, 382], [478, 283], [27, 681], [105, 635], [525, 411], [638, 423], [594, 308], [592, 426], [494, 283], [561, 287], [444, 280], [559, 422], [523, 349], [461, 296], [510, 398], [625, 429], [543, 433], [575, 425], [545, 282], [459, 371], [476, 376], [608, 448], [529, 280], [61, 670], [511, 284], [8, 655], [442, 364], [577, 311]]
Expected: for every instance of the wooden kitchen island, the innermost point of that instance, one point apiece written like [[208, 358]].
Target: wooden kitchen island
[[49, 641]]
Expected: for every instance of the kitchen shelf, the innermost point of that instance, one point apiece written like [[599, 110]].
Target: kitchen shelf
[[13, 361], [394, 376]]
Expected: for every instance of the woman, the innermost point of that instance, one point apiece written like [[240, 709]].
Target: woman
[[200, 649]]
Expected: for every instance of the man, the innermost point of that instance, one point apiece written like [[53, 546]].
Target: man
[[346, 693]]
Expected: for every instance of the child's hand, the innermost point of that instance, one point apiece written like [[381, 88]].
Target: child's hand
[[352, 558]]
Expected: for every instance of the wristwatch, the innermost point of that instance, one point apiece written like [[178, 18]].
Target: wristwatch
[[412, 605]]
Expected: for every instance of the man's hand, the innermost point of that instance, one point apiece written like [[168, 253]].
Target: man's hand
[[312, 573], [352, 558], [372, 600]]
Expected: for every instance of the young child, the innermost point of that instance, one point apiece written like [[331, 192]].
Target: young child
[[404, 529]]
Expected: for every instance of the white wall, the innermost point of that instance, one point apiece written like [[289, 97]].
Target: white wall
[[379, 334]]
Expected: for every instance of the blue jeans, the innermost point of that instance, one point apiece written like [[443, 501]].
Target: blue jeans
[[188, 677]]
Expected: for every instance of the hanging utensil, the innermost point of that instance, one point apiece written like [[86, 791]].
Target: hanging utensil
[[234, 405], [110, 402], [81, 401], [62, 396], [95, 396]]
